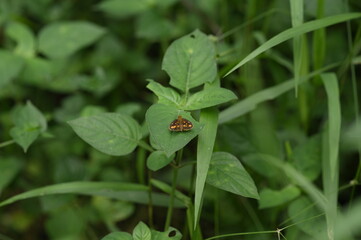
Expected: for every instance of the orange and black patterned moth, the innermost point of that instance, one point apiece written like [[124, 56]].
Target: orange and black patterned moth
[[180, 125]]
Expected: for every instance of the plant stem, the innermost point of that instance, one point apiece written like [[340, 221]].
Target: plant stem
[[174, 185], [241, 234], [145, 145], [150, 204], [3, 144]]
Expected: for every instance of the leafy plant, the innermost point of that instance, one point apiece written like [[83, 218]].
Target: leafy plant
[[238, 136]]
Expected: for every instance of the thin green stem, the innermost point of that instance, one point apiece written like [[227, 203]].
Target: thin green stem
[[3, 144], [241, 234], [150, 203], [145, 145], [172, 194]]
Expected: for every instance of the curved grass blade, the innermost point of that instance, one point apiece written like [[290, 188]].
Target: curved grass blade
[[294, 32], [117, 190]]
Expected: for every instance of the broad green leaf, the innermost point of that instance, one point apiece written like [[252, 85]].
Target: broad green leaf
[[61, 39], [170, 234], [250, 103], [227, 173], [112, 210], [271, 198], [29, 123], [24, 38], [123, 8], [303, 209], [334, 118], [142, 232], [9, 166], [190, 61], [293, 32], [153, 27], [38, 71], [307, 158], [10, 67], [91, 110], [206, 140], [111, 133], [158, 160], [166, 96], [116, 190], [159, 117], [208, 98], [118, 236]]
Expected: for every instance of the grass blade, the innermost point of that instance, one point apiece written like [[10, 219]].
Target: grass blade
[[206, 139], [293, 32]]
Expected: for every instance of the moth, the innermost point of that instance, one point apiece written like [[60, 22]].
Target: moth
[[180, 125]]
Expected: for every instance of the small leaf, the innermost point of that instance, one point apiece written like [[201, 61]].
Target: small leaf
[[271, 198], [166, 96], [10, 66], [123, 8], [111, 133], [159, 117], [118, 236], [158, 160], [208, 98], [29, 123], [24, 37], [227, 173], [142, 232], [154, 27], [61, 39], [9, 166], [190, 61]]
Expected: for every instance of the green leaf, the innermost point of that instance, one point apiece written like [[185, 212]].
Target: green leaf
[[190, 61], [293, 32], [307, 158], [29, 123], [166, 96], [170, 234], [334, 118], [208, 98], [61, 39], [9, 166], [206, 140], [111, 133], [154, 27], [303, 209], [118, 236], [117, 190], [158, 160], [272, 198], [129, 108], [227, 173], [158, 119], [123, 8], [142, 232], [25, 39], [10, 67]]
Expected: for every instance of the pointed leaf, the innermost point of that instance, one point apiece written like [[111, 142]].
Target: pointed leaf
[[61, 39], [271, 198], [159, 117], [170, 234], [226, 172], [190, 61], [24, 37], [158, 160], [166, 96], [142, 232], [111, 133], [209, 97]]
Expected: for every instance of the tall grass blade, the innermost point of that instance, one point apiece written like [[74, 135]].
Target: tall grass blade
[[293, 32]]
